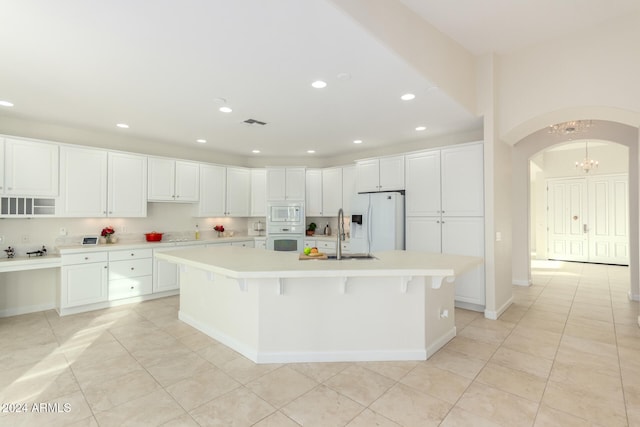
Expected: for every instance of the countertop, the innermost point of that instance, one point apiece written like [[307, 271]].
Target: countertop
[[70, 249], [22, 263], [247, 263]]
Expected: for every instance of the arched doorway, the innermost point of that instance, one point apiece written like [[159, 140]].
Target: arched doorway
[[541, 140], [577, 214]]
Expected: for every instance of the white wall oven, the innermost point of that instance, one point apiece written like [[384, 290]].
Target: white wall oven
[[285, 226]]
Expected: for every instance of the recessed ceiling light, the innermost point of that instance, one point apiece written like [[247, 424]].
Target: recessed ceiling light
[[319, 84], [357, 141], [311, 151], [123, 125], [201, 141], [407, 97], [421, 128], [225, 109], [6, 103], [255, 151]]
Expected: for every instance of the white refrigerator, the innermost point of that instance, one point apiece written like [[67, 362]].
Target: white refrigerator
[[377, 222]]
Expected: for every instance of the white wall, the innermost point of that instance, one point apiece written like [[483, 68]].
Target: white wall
[[593, 74]]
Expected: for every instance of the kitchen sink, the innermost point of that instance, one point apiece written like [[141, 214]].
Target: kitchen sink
[[351, 256]]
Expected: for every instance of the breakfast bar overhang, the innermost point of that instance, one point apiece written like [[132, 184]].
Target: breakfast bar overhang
[[272, 307]]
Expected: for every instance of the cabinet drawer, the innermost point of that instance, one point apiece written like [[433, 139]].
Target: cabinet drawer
[[130, 268], [247, 244], [125, 288], [346, 247], [326, 246], [132, 254], [84, 258]]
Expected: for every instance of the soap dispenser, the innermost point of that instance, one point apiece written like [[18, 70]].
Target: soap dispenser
[[197, 232], [327, 230]]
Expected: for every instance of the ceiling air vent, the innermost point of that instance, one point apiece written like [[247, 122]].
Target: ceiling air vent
[[254, 122]]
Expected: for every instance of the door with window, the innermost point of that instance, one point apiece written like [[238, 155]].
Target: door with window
[[587, 219]]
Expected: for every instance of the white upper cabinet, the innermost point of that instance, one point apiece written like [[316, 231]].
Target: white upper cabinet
[[258, 192], [224, 191], [313, 199], [238, 191], [422, 195], [173, 180], [462, 180], [213, 184], [331, 191], [383, 174], [30, 168], [95, 183], [126, 185], [83, 182], [446, 182], [348, 187], [286, 183]]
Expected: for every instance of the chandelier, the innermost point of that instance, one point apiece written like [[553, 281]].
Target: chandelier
[[570, 128], [587, 164]]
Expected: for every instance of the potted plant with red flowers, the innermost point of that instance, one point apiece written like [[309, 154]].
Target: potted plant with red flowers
[[107, 233]]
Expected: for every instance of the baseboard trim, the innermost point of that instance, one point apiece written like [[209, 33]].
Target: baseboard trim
[[522, 282], [8, 312], [494, 315]]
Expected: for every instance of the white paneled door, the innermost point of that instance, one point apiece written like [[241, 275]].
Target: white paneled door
[[587, 219]]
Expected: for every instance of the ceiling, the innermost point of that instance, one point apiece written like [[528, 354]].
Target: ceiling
[[166, 69]]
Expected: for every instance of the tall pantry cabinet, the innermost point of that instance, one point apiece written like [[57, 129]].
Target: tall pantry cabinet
[[445, 211]]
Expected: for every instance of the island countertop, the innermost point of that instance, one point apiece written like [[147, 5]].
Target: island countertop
[[247, 263]]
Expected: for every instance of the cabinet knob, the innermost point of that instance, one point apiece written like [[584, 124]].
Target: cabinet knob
[[132, 254], [132, 268], [86, 258], [132, 287]]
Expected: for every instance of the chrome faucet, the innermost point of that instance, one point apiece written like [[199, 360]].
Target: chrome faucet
[[340, 233]]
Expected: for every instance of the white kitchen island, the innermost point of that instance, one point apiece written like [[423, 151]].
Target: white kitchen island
[[274, 308]]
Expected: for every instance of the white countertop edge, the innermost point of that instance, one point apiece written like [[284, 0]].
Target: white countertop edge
[[26, 263], [71, 249], [332, 268]]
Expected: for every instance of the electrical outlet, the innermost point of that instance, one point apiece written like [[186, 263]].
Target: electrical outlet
[[63, 231], [25, 238]]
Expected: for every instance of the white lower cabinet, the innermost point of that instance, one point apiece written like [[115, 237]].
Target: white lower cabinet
[[244, 244], [130, 273], [457, 236], [84, 279]]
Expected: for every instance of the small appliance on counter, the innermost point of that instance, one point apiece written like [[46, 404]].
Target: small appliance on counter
[[39, 252], [10, 252]]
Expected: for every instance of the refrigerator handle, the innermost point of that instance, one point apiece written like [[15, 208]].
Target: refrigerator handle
[[369, 227]]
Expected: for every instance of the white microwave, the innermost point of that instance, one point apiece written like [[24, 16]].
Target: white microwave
[[285, 213]]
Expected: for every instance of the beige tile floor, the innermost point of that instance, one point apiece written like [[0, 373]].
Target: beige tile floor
[[566, 353]]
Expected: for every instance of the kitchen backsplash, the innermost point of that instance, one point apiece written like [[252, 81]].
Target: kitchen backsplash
[[173, 219]]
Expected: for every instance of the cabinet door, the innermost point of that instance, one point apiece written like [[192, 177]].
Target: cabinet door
[[463, 181], [238, 189], [213, 184], [187, 179], [165, 276], [423, 234], [313, 199], [83, 182], [392, 173], [162, 173], [2, 165], [127, 185], [258, 192], [348, 187], [368, 176], [465, 236], [84, 284], [331, 191], [276, 184], [295, 183], [31, 168], [422, 196]]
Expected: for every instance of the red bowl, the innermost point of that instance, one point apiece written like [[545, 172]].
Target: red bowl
[[153, 237]]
